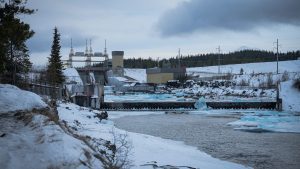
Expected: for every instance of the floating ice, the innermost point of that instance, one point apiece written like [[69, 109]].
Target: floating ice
[[269, 121]]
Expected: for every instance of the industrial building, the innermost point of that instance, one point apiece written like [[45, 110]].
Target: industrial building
[[163, 75], [118, 63]]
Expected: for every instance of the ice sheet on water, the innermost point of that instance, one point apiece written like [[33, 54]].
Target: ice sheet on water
[[269, 121]]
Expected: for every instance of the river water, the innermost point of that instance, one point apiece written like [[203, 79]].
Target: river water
[[212, 135]]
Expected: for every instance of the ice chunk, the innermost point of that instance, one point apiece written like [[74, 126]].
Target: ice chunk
[[200, 104]]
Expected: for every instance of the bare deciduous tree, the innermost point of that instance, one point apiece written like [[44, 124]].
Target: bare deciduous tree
[[116, 155]]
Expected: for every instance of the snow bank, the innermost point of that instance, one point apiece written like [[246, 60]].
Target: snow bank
[[146, 149], [137, 74], [42, 145], [290, 96], [13, 98]]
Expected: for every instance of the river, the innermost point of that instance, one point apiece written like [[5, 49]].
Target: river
[[212, 135]]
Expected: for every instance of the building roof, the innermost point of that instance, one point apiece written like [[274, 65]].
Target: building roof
[[117, 53]]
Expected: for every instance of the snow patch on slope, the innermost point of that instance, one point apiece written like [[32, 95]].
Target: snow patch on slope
[[290, 96], [261, 67], [12, 99], [137, 74], [41, 145]]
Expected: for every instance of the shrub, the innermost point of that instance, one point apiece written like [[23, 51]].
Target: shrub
[[241, 71], [115, 155], [285, 76], [297, 84], [244, 83], [269, 80]]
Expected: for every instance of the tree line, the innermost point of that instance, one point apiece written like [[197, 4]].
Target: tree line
[[14, 56], [14, 53], [211, 59]]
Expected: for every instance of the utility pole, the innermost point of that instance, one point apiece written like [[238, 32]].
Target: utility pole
[[219, 59], [179, 58], [277, 54]]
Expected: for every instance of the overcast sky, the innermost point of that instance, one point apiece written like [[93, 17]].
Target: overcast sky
[[157, 28]]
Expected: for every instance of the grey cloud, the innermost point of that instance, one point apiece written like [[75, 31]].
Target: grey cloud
[[76, 19], [42, 40], [237, 15]]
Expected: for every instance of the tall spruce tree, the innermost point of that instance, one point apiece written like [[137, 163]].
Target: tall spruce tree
[[54, 71], [14, 33]]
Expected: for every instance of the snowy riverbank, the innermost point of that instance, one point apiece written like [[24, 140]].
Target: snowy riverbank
[[145, 149], [32, 140]]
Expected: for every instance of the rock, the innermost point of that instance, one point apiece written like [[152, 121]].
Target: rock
[[2, 134]]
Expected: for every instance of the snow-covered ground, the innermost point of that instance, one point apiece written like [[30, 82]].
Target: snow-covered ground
[[290, 96], [12, 99], [31, 140], [41, 144], [264, 80], [146, 149], [226, 93], [137, 74], [262, 67]]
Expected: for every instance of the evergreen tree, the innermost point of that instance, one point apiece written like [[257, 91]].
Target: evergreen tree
[[54, 70], [14, 57]]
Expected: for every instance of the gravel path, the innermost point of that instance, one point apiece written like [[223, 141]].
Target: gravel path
[[212, 135]]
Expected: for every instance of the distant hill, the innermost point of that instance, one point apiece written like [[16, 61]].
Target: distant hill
[[211, 59]]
